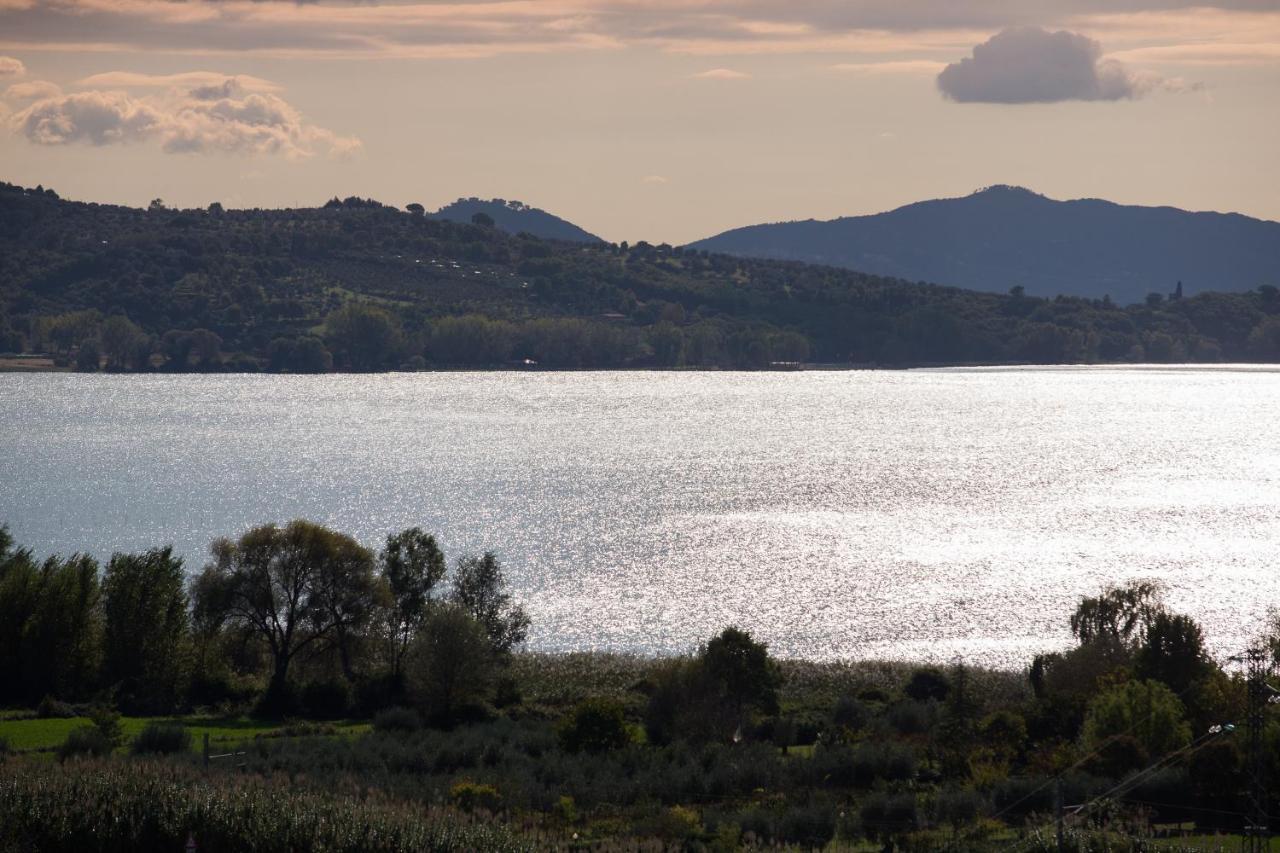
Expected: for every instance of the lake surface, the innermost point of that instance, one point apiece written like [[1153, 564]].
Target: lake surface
[[921, 514]]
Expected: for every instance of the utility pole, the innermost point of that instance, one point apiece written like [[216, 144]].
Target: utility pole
[[1257, 830]]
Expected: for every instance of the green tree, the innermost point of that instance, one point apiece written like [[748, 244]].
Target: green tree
[[412, 565], [744, 675], [50, 625], [1148, 711], [295, 587], [367, 338], [121, 342], [144, 604], [480, 588], [1119, 616], [1173, 652], [451, 666]]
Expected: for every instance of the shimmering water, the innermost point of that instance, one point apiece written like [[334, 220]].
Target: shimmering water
[[924, 514]]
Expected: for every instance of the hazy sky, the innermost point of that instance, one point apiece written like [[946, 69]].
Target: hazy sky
[[665, 120]]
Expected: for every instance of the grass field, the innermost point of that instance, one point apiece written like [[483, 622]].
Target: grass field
[[39, 734]]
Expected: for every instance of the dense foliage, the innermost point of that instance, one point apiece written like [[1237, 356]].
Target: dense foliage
[[722, 747], [357, 285]]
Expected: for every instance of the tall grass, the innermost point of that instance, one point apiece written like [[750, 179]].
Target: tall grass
[[150, 807]]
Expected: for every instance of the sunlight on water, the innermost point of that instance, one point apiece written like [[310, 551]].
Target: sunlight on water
[[923, 514]]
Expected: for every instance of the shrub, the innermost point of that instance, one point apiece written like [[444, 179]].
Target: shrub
[[470, 796], [162, 739], [84, 741], [328, 699], [54, 708], [850, 713], [451, 666], [596, 725], [107, 722], [928, 683], [397, 720]]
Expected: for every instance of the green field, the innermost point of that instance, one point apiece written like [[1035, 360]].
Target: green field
[[43, 734]]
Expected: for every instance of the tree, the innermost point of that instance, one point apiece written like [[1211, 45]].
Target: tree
[[482, 219], [479, 588], [144, 604], [1146, 710], [121, 342], [294, 586], [412, 564], [1173, 652], [88, 358], [451, 665], [366, 336], [1119, 616], [50, 625], [743, 672], [415, 208]]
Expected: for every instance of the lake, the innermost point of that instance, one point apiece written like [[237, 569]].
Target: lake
[[909, 514]]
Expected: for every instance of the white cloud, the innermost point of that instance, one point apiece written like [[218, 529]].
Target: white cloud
[[1023, 65], [207, 119], [10, 67], [193, 80], [721, 74], [905, 66], [475, 28], [32, 90], [654, 179]]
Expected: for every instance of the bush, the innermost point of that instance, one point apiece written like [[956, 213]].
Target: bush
[[596, 725], [404, 720], [470, 796], [328, 699], [85, 741], [451, 667], [50, 708], [850, 713], [162, 739], [928, 683]]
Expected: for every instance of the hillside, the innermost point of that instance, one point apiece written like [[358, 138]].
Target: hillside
[[1003, 237], [515, 218], [356, 285]]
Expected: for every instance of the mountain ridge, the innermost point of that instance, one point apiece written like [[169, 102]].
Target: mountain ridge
[[1005, 236]]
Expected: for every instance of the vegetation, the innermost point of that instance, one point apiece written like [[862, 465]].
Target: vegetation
[[356, 285], [476, 743]]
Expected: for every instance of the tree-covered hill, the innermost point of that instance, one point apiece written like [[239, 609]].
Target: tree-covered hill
[[357, 285], [1002, 237], [515, 217]]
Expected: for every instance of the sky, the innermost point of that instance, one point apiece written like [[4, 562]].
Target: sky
[[662, 120]]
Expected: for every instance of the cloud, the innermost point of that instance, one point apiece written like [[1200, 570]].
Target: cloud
[[655, 179], [32, 90], [721, 74], [906, 66], [1024, 65], [193, 80], [200, 121], [10, 67], [357, 29]]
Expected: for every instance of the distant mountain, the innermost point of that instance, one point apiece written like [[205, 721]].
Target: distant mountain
[[1002, 237], [515, 217]]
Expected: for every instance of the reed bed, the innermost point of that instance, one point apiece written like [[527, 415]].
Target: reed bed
[[153, 807]]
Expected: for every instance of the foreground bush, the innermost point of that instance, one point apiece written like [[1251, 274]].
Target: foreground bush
[[84, 741], [162, 739], [150, 808]]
